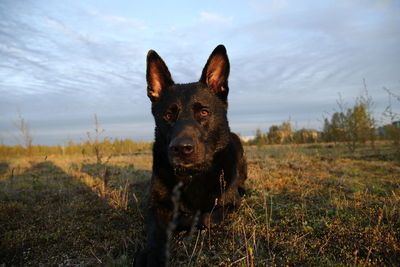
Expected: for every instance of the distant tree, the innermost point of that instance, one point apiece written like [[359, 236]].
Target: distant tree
[[71, 148], [117, 146], [338, 126], [260, 139], [352, 125], [280, 134], [25, 133], [366, 99], [393, 134], [101, 146], [274, 135], [326, 132], [298, 136], [303, 136], [286, 132], [358, 126], [392, 130], [334, 129]]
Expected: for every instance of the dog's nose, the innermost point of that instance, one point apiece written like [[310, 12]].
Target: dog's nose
[[182, 146]]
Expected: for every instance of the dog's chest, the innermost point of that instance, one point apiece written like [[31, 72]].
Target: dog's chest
[[200, 195]]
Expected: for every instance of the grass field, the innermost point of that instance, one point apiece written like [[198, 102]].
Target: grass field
[[305, 205]]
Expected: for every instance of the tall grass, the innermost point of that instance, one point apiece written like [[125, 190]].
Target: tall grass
[[304, 205]]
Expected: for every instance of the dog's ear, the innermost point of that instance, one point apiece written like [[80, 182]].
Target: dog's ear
[[157, 75], [216, 71]]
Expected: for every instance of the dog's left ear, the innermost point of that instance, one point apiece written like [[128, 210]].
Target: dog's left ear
[[216, 71], [157, 75]]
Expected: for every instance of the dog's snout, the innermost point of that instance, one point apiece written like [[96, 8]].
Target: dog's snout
[[182, 146]]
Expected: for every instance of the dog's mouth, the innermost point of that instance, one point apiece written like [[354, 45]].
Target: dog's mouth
[[189, 170], [183, 159], [183, 162]]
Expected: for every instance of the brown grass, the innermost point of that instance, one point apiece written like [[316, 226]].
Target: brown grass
[[305, 205]]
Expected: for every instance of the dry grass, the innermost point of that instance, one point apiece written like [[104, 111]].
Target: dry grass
[[305, 205]]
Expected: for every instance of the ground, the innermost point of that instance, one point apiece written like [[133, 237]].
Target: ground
[[305, 205]]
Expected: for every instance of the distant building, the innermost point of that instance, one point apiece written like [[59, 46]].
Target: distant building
[[381, 131], [247, 138]]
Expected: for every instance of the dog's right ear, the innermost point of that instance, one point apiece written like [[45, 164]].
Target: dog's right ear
[[157, 75], [216, 71]]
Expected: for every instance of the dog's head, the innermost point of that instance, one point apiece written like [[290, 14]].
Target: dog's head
[[191, 122]]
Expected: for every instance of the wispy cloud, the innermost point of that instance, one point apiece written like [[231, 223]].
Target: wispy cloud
[[117, 21], [207, 17], [63, 62]]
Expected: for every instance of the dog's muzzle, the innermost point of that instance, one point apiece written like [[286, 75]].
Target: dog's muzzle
[[181, 147]]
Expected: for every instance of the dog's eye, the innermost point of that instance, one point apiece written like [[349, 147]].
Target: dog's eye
[[204, 113], [168, 116]]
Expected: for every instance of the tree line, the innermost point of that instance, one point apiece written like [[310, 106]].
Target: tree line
[[87, 148], [352, 126]]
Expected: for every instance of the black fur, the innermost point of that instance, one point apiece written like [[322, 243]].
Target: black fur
[[198, 165]]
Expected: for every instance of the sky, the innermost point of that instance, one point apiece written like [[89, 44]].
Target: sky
[[61, 62]]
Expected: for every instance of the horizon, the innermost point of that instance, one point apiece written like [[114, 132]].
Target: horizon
[[61, 63]]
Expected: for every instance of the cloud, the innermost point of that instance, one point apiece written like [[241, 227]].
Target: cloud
[[207, 17], [114, 21], [261, 5], [53, 69], [61, 63]]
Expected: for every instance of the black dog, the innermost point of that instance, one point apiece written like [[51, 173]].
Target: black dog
[[198, 165]]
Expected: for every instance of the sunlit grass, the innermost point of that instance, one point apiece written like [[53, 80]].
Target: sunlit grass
[[305, 205]]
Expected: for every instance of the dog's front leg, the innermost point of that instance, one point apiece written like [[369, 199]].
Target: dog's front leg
[[156, 252]]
